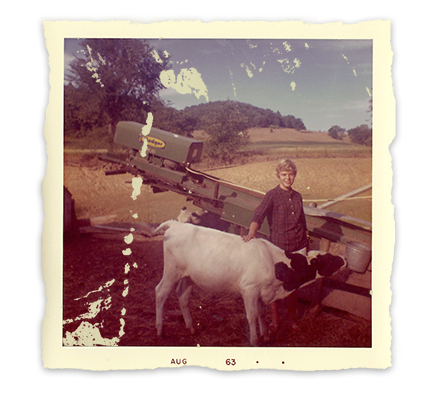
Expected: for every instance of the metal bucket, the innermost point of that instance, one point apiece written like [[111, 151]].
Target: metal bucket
[[358, 256]]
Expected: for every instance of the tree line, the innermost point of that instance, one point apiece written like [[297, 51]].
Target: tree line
[[361, 135], [255, 117]]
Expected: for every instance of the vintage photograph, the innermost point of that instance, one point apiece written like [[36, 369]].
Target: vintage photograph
[[260, 150]]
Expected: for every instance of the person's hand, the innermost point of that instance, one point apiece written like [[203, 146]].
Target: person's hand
[[251, 233], [248, 237]]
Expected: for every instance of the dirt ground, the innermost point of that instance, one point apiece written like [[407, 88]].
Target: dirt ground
[[95, 273]]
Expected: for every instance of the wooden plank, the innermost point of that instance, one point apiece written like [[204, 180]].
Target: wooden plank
[[338, 285]]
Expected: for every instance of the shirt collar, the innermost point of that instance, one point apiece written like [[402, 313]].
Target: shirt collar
[[289, 192]]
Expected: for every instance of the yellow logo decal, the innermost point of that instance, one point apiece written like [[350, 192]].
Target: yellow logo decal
[[154, 142]]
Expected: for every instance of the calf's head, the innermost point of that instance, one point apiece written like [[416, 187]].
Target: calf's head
[[300, 271], [328, 264], [297, 274]]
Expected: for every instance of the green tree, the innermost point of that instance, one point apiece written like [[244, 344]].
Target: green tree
[[258, 117], [260, 121], [361, 135], [276, 122], [299, 125], [336, 132], [288, 121], [172, 120], [80, 114], [227, 131], [120, 75]]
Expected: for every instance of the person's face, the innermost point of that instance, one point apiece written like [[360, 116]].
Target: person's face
[[286, 179]]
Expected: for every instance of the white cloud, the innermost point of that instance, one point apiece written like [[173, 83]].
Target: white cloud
[[188, 81]]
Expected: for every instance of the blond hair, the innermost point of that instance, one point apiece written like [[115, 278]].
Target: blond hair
[[286, 164]]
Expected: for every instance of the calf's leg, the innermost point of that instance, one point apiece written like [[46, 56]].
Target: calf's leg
[[251, 307], [275, 314], [183, 291], [163, 289], [291, 303], [261, 320]]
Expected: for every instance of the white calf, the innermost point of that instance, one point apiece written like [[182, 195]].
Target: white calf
[[219, 262]]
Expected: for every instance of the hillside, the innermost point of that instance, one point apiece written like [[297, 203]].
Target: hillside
[[256, 116]]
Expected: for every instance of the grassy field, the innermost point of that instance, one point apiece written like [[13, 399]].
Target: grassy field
[[308, 149], [318, 180], [264, 142], [298, 144], [281, 135]]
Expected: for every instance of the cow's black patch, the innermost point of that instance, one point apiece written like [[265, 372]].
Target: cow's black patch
[[329, 264], [283, 272], [298, 262], [316, 264], [293, 279]]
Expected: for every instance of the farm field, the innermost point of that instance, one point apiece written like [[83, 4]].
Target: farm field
[[298, 144], [265, 143], [94, 271], [318, 180], [281, 135]]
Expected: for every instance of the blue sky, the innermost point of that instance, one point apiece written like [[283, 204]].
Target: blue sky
[[323, 82]]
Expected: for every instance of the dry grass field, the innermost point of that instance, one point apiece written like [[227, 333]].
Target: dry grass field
[[318, 180], [270, 143], [281, 135]]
